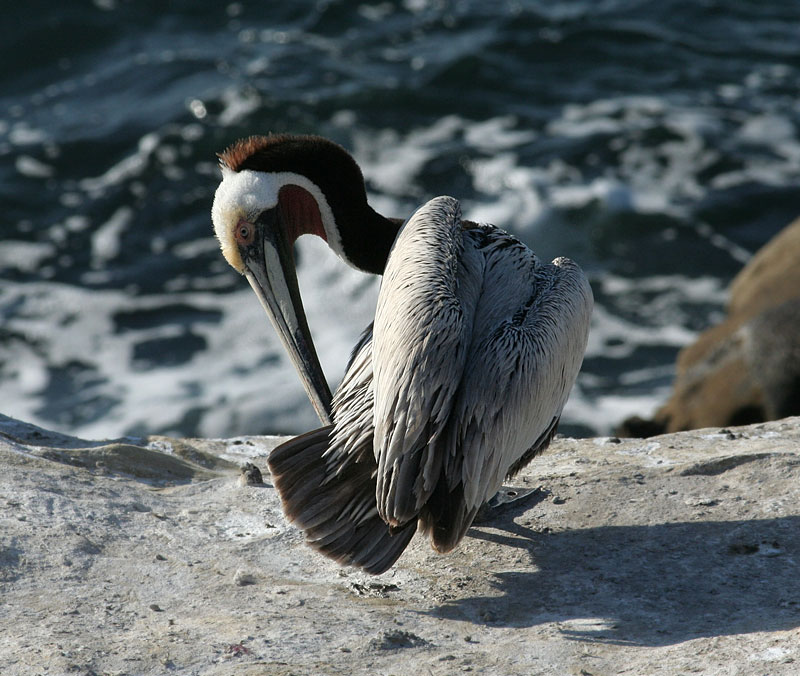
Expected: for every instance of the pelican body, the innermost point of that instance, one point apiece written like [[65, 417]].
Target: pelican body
[[458, 383]]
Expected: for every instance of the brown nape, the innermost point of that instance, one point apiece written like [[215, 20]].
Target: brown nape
[[307, 155], [233, 156], [242, 152]]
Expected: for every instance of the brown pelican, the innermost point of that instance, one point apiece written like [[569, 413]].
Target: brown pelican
[[459, 382]]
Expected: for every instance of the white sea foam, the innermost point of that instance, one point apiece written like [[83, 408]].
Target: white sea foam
[[33, 168], [24, 256], [647, 178], [240, 378], [613, 337], [241, 381], [609, 191], [517, 195], [106, 242], [512, 192], [237, 105], [497, 134], [126, 169], [604, 413], [22, 134], [703, 289], [772, 141]]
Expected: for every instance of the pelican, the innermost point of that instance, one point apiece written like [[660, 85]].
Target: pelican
[[457, 384]]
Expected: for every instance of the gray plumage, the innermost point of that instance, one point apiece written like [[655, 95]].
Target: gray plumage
[[458, 384]]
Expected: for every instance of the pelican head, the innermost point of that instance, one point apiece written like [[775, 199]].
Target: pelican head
[[275, 189]]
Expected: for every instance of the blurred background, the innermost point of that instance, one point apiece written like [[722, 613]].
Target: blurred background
[[655, 143]]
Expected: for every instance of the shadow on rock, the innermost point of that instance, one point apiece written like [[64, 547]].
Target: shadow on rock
[[648, 585]]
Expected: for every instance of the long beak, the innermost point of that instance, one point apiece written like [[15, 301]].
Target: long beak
[[274, 279]]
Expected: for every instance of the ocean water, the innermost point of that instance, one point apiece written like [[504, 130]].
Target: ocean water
[[655, 143]]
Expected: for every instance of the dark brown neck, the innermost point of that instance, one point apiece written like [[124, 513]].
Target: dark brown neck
[[367, 239]]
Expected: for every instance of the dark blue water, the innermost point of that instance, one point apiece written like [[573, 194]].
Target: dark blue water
[[656, 143]]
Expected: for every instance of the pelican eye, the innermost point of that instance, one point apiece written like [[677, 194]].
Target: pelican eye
[[244, 233]]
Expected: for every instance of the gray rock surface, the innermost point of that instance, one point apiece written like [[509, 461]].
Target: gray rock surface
[[678, 554]]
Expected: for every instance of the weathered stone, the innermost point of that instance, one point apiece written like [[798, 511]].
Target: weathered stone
[[250, 475], [676, 554], [747, 368]]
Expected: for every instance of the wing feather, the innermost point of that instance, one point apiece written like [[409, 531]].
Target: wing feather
[[421, 334], [529, 341]]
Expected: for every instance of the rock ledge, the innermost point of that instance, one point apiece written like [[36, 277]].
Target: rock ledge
[[674, 554]]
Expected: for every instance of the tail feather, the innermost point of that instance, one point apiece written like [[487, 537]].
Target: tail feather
[[332, 499], [447, 517]]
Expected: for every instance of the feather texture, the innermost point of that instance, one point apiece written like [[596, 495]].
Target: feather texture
[[421, 335], [460, 382], [334, 503]]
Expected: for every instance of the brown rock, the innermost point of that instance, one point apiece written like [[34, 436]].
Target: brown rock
[[746, 369], [771, 277]]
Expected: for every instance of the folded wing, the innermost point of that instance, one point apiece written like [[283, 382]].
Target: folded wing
[[476, 346], [421, 337]]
